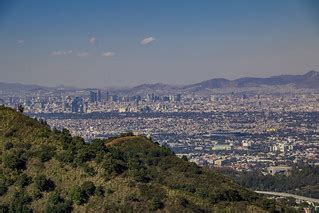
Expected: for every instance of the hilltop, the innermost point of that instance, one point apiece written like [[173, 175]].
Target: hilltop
[[49, 170]]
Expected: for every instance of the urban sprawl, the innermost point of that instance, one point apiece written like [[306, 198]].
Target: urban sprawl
[[270, 132]]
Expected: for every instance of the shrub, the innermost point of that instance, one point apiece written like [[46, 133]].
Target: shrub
[[77, 196], [36, 193], [114, 167], [8, 146], [54, 198], [89, 170], [26, 146], [99, 191], [46, 152], [88, 188], [184, 158], [155, 204], [65, 157], [14, 161], [19, 202], [84, 155], [3, 188], [23, 180], [43, 184], [4, 208], [63, 207], [57, 204]]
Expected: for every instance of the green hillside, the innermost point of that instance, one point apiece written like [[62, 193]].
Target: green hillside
[[50, 171]]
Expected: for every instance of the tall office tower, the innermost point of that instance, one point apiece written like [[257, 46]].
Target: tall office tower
[[77, 105], [63, 104], [93, 96], [107, 96], [114, 98], [99, 96], [178, 97]]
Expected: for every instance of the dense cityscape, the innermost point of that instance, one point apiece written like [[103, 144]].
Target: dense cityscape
[[258, 130]]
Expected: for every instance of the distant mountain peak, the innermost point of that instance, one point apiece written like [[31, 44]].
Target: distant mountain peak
[[312, 73]]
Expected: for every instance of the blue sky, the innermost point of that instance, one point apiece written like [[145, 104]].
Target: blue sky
[[125, 43]]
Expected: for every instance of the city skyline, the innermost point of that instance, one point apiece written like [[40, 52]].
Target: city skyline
[[93, 44]]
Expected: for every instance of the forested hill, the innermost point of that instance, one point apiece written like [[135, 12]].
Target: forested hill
[[44, 170]]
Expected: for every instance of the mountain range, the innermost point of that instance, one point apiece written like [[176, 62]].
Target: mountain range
[[308, 80]]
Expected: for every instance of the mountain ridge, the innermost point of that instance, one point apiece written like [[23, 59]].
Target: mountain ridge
[[308, 80]]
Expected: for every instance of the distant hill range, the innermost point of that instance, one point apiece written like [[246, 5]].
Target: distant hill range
[[17, 87], [309, 80]]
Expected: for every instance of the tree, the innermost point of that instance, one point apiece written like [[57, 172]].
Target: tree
[[155, 204], [77, 196], [46, 152], [14, 161], [23, 180], [99, 191], [19, 202], [88, 188], [3, 188], [43, 184], [57, 204], [21, 108], [8, 146]]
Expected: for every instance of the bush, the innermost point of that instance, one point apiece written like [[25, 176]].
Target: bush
[[78, 196], [88, 188], [89, 170], [4, 208], [8, 146], [14, 161], [65, 157], [54, 198], [3, 188], [26, 146], [84, 155], [43, 184], [63, 207], [19, 202], [57, 204], [113, 167], [184, 158], [23, 180], [46, 152], [99, 191], [155, 204]]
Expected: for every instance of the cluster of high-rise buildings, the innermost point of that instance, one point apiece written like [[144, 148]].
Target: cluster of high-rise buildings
[[243, 131]]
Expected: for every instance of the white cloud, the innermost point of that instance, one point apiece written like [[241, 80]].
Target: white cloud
[[108, 54], [20, 41], [92, 40], [61, 53], [147, 40], [58, 53], [83, 54]]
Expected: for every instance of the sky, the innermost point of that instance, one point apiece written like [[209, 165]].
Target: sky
[[122, 43]]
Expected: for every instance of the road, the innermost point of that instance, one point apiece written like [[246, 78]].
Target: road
[[282, 194]]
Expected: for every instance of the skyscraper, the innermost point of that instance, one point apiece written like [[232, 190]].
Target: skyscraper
[[95, 96]]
